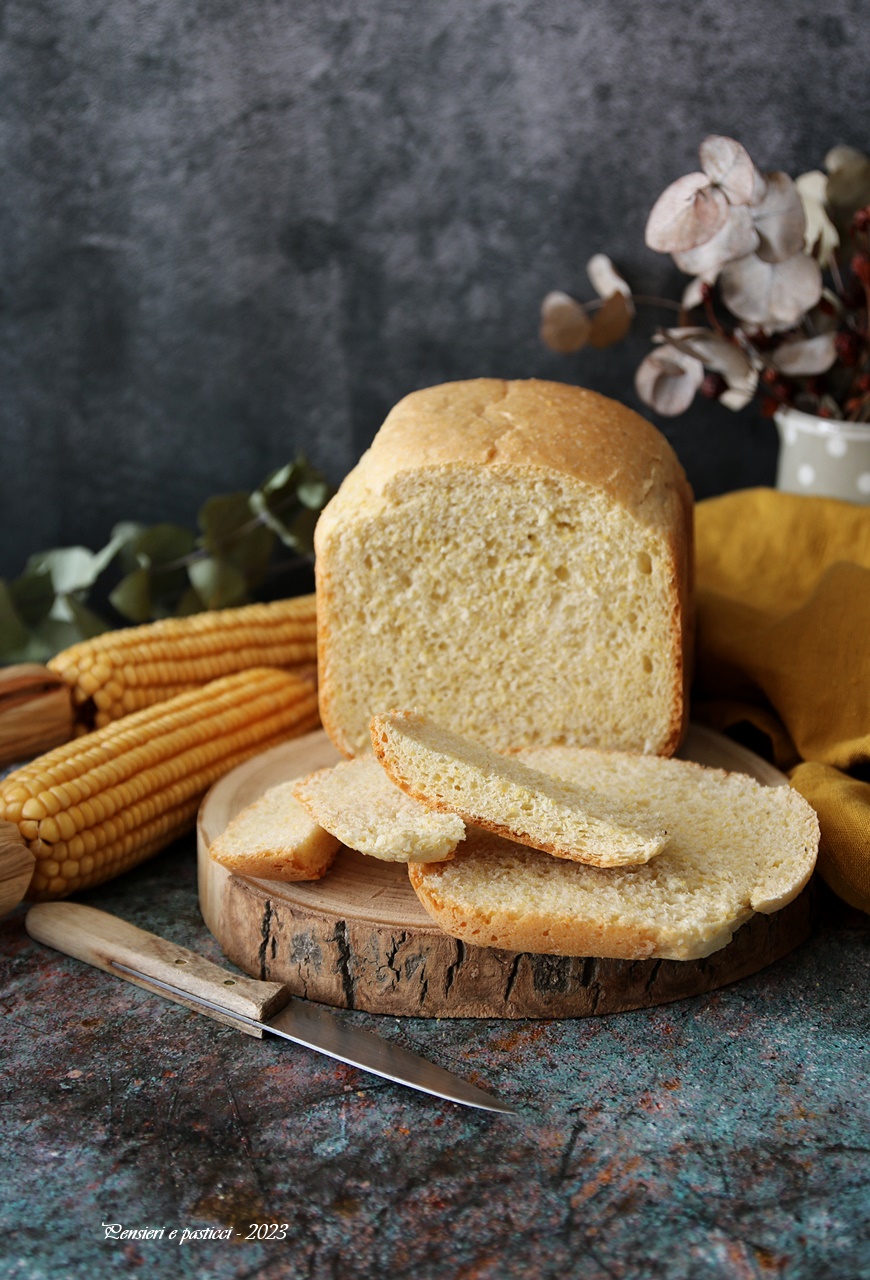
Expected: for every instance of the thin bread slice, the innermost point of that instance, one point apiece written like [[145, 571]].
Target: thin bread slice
[[358, 803], [508, 797], [736, 847], [274, 839]]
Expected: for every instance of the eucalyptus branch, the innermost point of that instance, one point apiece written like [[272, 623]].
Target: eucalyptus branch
[[149, 572], [763, 242]]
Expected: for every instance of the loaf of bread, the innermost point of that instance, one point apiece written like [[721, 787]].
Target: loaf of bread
[[358, 803], [515, 560], [274, 839], [505, 795], [736, 847]]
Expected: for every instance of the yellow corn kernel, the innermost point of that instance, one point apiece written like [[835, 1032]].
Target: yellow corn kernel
[[120, 672], [96, 807]]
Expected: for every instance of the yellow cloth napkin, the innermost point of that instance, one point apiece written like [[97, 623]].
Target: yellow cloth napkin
[[783, 645]]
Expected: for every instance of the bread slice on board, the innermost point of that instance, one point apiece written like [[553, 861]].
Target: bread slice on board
[[505, 795], [359, 804], [515, 560], [274, 839], [736, 847]]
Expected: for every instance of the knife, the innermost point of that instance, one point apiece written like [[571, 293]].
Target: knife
[[254, 1007]]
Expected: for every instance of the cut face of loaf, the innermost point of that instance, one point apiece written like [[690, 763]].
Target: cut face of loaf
[[735, 848], [503, 794], [513, 559], [358, 804], [274, 839]]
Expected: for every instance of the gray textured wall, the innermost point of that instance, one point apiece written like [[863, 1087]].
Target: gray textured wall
[[234, 230]]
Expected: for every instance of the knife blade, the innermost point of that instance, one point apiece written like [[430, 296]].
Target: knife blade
[[255, 1007]]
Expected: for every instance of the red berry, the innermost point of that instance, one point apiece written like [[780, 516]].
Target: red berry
[[862, 384], [824, 412], [848, 346], [713, 386], [769, 406], [860, 265], [861, 220]]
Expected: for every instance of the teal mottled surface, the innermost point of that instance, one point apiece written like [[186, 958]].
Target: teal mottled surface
[[722, 1138]]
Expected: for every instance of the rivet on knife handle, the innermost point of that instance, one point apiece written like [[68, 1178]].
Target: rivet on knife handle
[[105, 941]]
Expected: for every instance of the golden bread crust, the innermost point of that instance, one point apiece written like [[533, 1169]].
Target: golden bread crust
[[519, 427]]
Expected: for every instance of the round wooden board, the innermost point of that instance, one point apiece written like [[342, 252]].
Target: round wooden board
[[360, 939]]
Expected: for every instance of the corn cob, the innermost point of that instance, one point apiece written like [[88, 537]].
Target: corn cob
[[121, 672], [93, 808]]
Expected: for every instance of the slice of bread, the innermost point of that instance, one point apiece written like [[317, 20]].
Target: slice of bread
[[736, 847], [359, 804], [515, 560], [274, 839], [505, 795]]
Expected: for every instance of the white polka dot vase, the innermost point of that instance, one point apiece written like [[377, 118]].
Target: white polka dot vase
[[823, 456]]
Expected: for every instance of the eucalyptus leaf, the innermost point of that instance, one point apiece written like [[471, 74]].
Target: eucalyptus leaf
[[126, 534], [166, 570], [848, 187], [218, 584], [260, 506], [820, 237], [33, 596], [735, 239], [606, 280], [739, 394], [779, 220], [120, 537], [164, 550], [14, 635], [776, 295], [693, 294], [667, 380], [132, 596], [76, 569], [806, 357], [565, 325], [719, 354], [687, 214], [163, 544], [314, 493], [611, 322], [251, 553], [71, 568], [188, 605], [86, 621], [221, 518], [303, 531], [284, 478], [843, 157], [53, 635], [727, 164]]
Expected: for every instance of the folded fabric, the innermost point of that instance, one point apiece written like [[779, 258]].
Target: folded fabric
[[783, 654]]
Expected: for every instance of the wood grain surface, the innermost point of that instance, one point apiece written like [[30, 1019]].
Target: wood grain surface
[[107, 942], [16, 867], [360, 939]]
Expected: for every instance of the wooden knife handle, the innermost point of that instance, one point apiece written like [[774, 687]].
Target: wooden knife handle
[[101, 939]]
